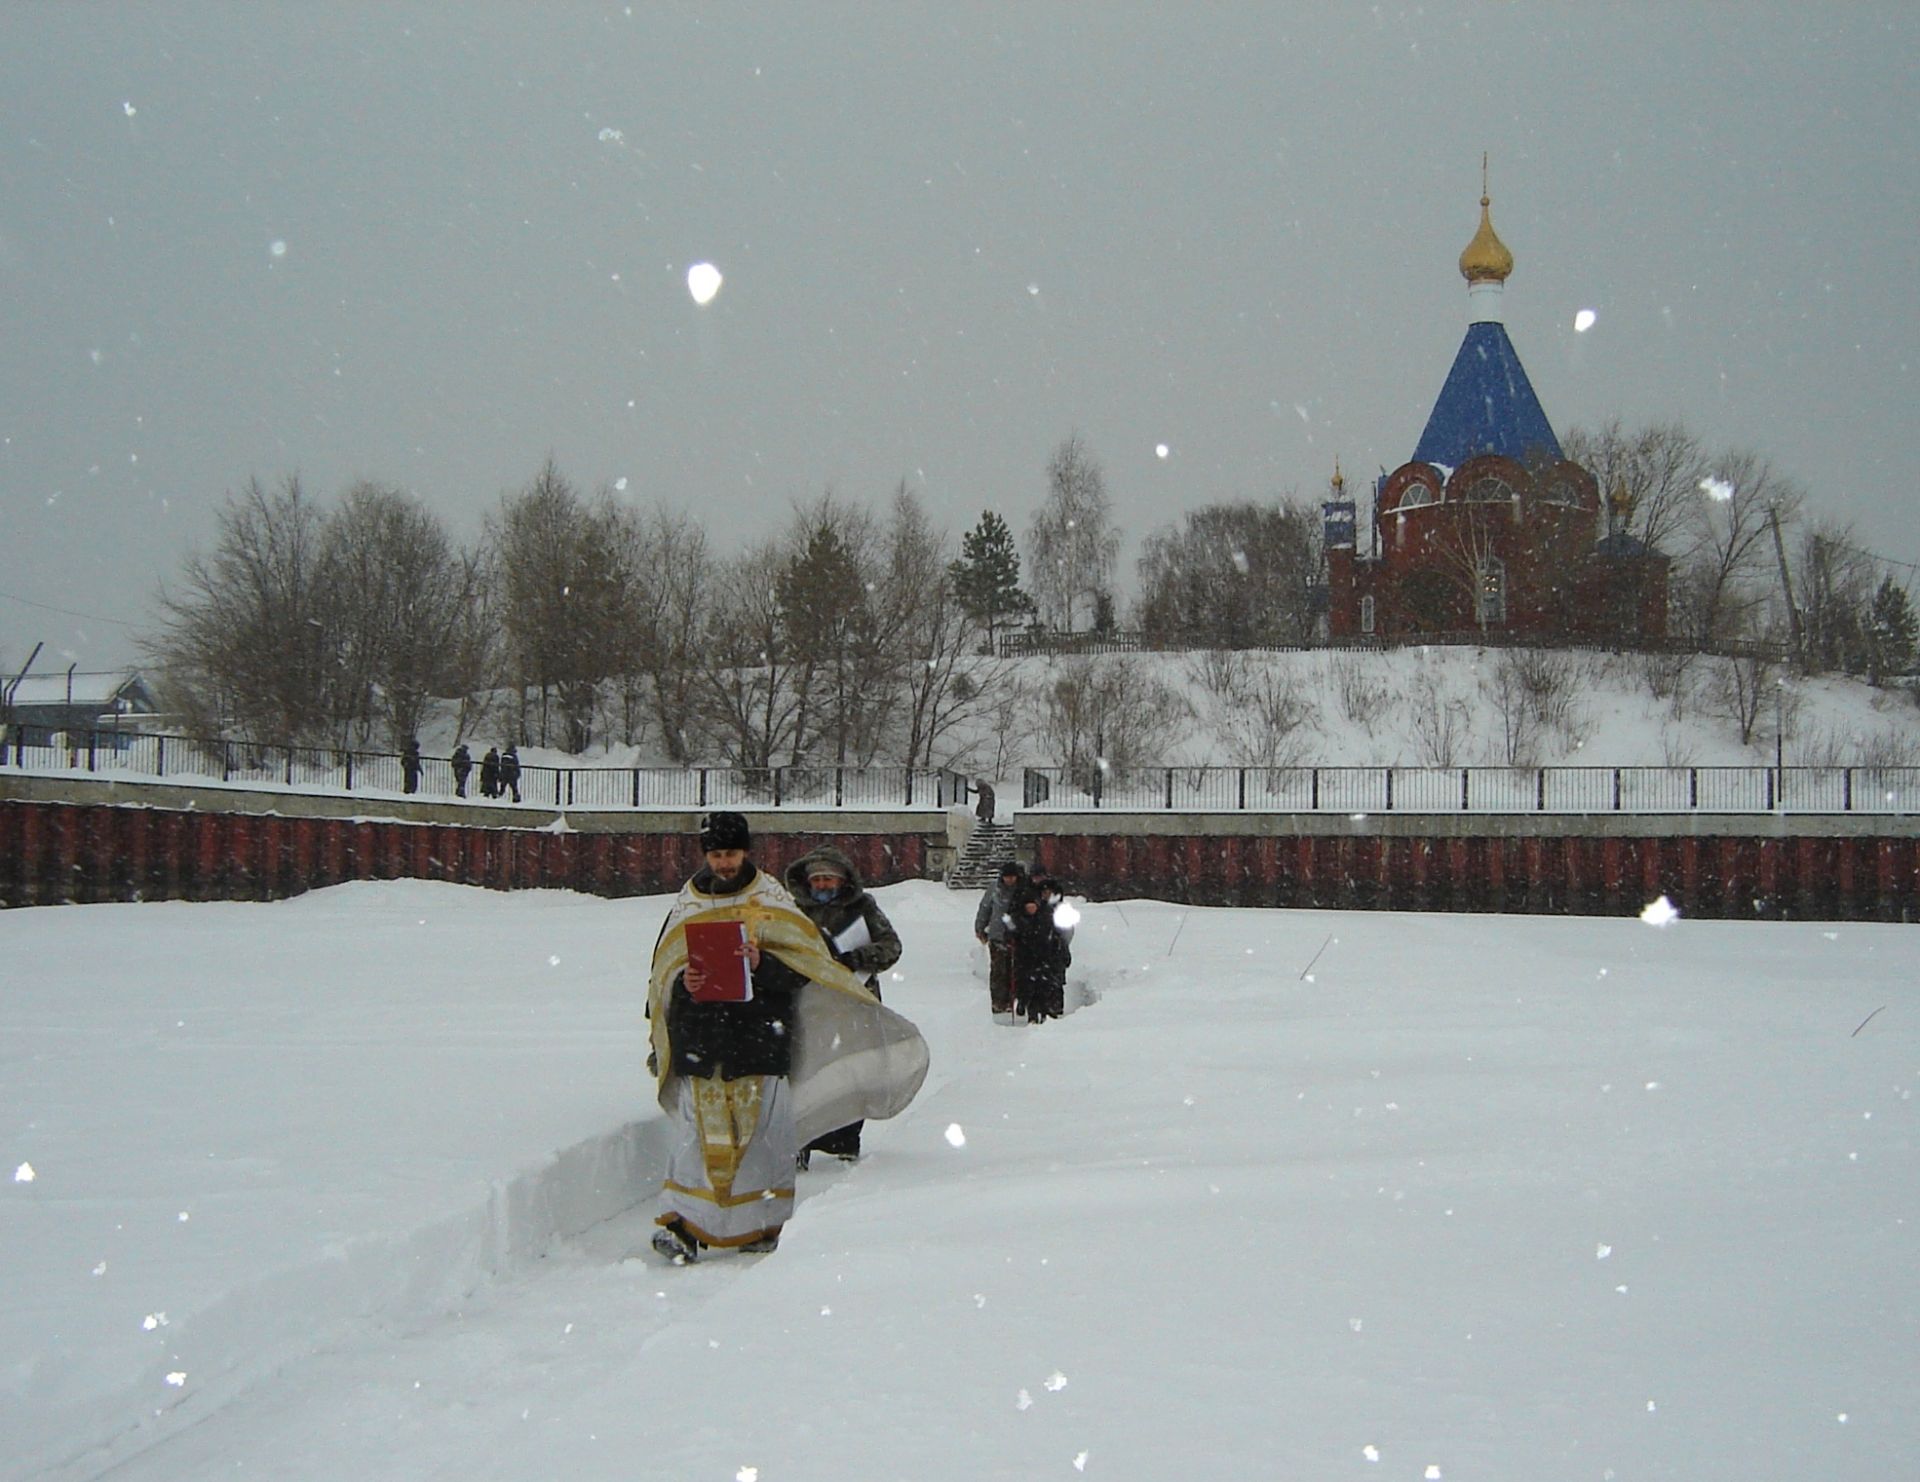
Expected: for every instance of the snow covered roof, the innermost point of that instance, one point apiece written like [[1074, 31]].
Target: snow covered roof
[[97, 689], [1486, 406]]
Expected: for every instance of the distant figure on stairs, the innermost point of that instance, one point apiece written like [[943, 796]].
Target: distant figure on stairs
[[983, 809]]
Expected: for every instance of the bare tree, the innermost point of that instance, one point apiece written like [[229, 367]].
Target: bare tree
[[1074, 544], [672, 574], [1102, 713], [567, 594], [1725, 578], [1259, 710], [400, 605], [748, 699], [1233, 575], [243, 640], [1654, 471]]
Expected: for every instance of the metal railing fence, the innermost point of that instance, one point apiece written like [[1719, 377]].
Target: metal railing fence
[[1465, 790], [149, 755]]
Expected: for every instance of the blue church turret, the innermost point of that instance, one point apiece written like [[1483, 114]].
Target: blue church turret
[[1487, 404]]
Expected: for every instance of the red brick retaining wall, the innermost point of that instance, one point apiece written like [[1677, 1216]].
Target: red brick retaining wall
[[1735, 876], [76, 852]]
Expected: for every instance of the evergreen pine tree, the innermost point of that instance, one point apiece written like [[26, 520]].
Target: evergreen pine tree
[[986, 578], [1891, 632]]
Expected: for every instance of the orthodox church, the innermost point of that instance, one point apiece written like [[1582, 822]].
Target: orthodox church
[[1489, 527]]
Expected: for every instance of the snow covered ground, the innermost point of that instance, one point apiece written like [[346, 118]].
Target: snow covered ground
[[350, 1186]]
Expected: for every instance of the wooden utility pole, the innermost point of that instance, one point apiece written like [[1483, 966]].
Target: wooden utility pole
[[1786, 584]]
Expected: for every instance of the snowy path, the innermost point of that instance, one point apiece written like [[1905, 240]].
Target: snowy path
[[1491, 1198]]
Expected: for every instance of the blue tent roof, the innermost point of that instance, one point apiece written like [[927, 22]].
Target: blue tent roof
[[1486, 406]]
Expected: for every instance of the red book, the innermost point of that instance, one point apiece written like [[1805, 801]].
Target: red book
[[715, 948]]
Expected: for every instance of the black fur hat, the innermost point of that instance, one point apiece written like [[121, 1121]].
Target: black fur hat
[[725, 831]]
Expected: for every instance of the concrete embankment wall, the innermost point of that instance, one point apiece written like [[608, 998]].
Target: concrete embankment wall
[[1724, 866], [66, 840]]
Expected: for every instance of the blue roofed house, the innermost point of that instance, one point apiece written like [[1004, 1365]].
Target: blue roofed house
[[1489, 527]]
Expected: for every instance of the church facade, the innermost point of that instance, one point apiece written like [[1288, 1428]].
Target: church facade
[[1489, 527]]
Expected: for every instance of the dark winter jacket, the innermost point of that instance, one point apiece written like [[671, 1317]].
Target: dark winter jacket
[[996, 906], [735, 1040], [490, 773], [851, 904], [1040, 958]]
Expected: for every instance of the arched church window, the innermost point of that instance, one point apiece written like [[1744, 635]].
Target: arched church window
[[1490, 490], [1414, 495]]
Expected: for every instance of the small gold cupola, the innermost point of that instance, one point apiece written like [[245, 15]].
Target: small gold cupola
[[1486, 263], [1486, 259]]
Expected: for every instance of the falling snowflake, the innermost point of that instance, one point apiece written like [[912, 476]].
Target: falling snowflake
[[703, 282], [1160, 450], [955, 1136], [1056, 1381], [1661, 912], [1718, 490], [23, 1174], [1023, 1401], [277, 247], [1584, 321], [177, 1378]]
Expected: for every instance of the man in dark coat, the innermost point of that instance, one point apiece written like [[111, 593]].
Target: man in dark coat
[[490, 773], [462, 769], [510, 771], [1040, 954], [992, 924], [410, 765], [827, 888]]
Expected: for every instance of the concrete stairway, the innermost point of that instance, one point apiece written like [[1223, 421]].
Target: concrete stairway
[[977, 866]]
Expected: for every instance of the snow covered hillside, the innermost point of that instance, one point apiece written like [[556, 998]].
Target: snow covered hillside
[[1442, 706], [351, 1186]]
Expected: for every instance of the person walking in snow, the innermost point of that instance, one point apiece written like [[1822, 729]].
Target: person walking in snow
[[1040, 956], [490, 773], [462, 760], [992, 924], [860, 937], [510, 771], [750, 1080], [410, 765]]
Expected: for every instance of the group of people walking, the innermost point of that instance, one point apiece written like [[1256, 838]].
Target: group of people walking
[[769, 1041], [499, 770], [1028, 939], [761, 1063]]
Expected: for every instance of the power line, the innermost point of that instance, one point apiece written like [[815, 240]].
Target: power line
[[92, 617]]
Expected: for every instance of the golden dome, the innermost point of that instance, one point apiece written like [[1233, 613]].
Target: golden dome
[[1486, 259]]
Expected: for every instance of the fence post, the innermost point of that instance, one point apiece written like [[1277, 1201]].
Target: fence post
[[1169, 789], [1540, 790], [1616, 789], [1243, 789], [1770, 776], [1389, 789], [289, 766], [226, 761], [349, 771], [839, 787], [1466, 778], [909, 802], [1693, 789], [93, 746], [703, 787], [1846, 790], [1313, 791], [776, 786], [636, 787], [160, 756]]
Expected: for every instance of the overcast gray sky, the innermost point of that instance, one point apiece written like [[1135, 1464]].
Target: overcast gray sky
[[431, 244]]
